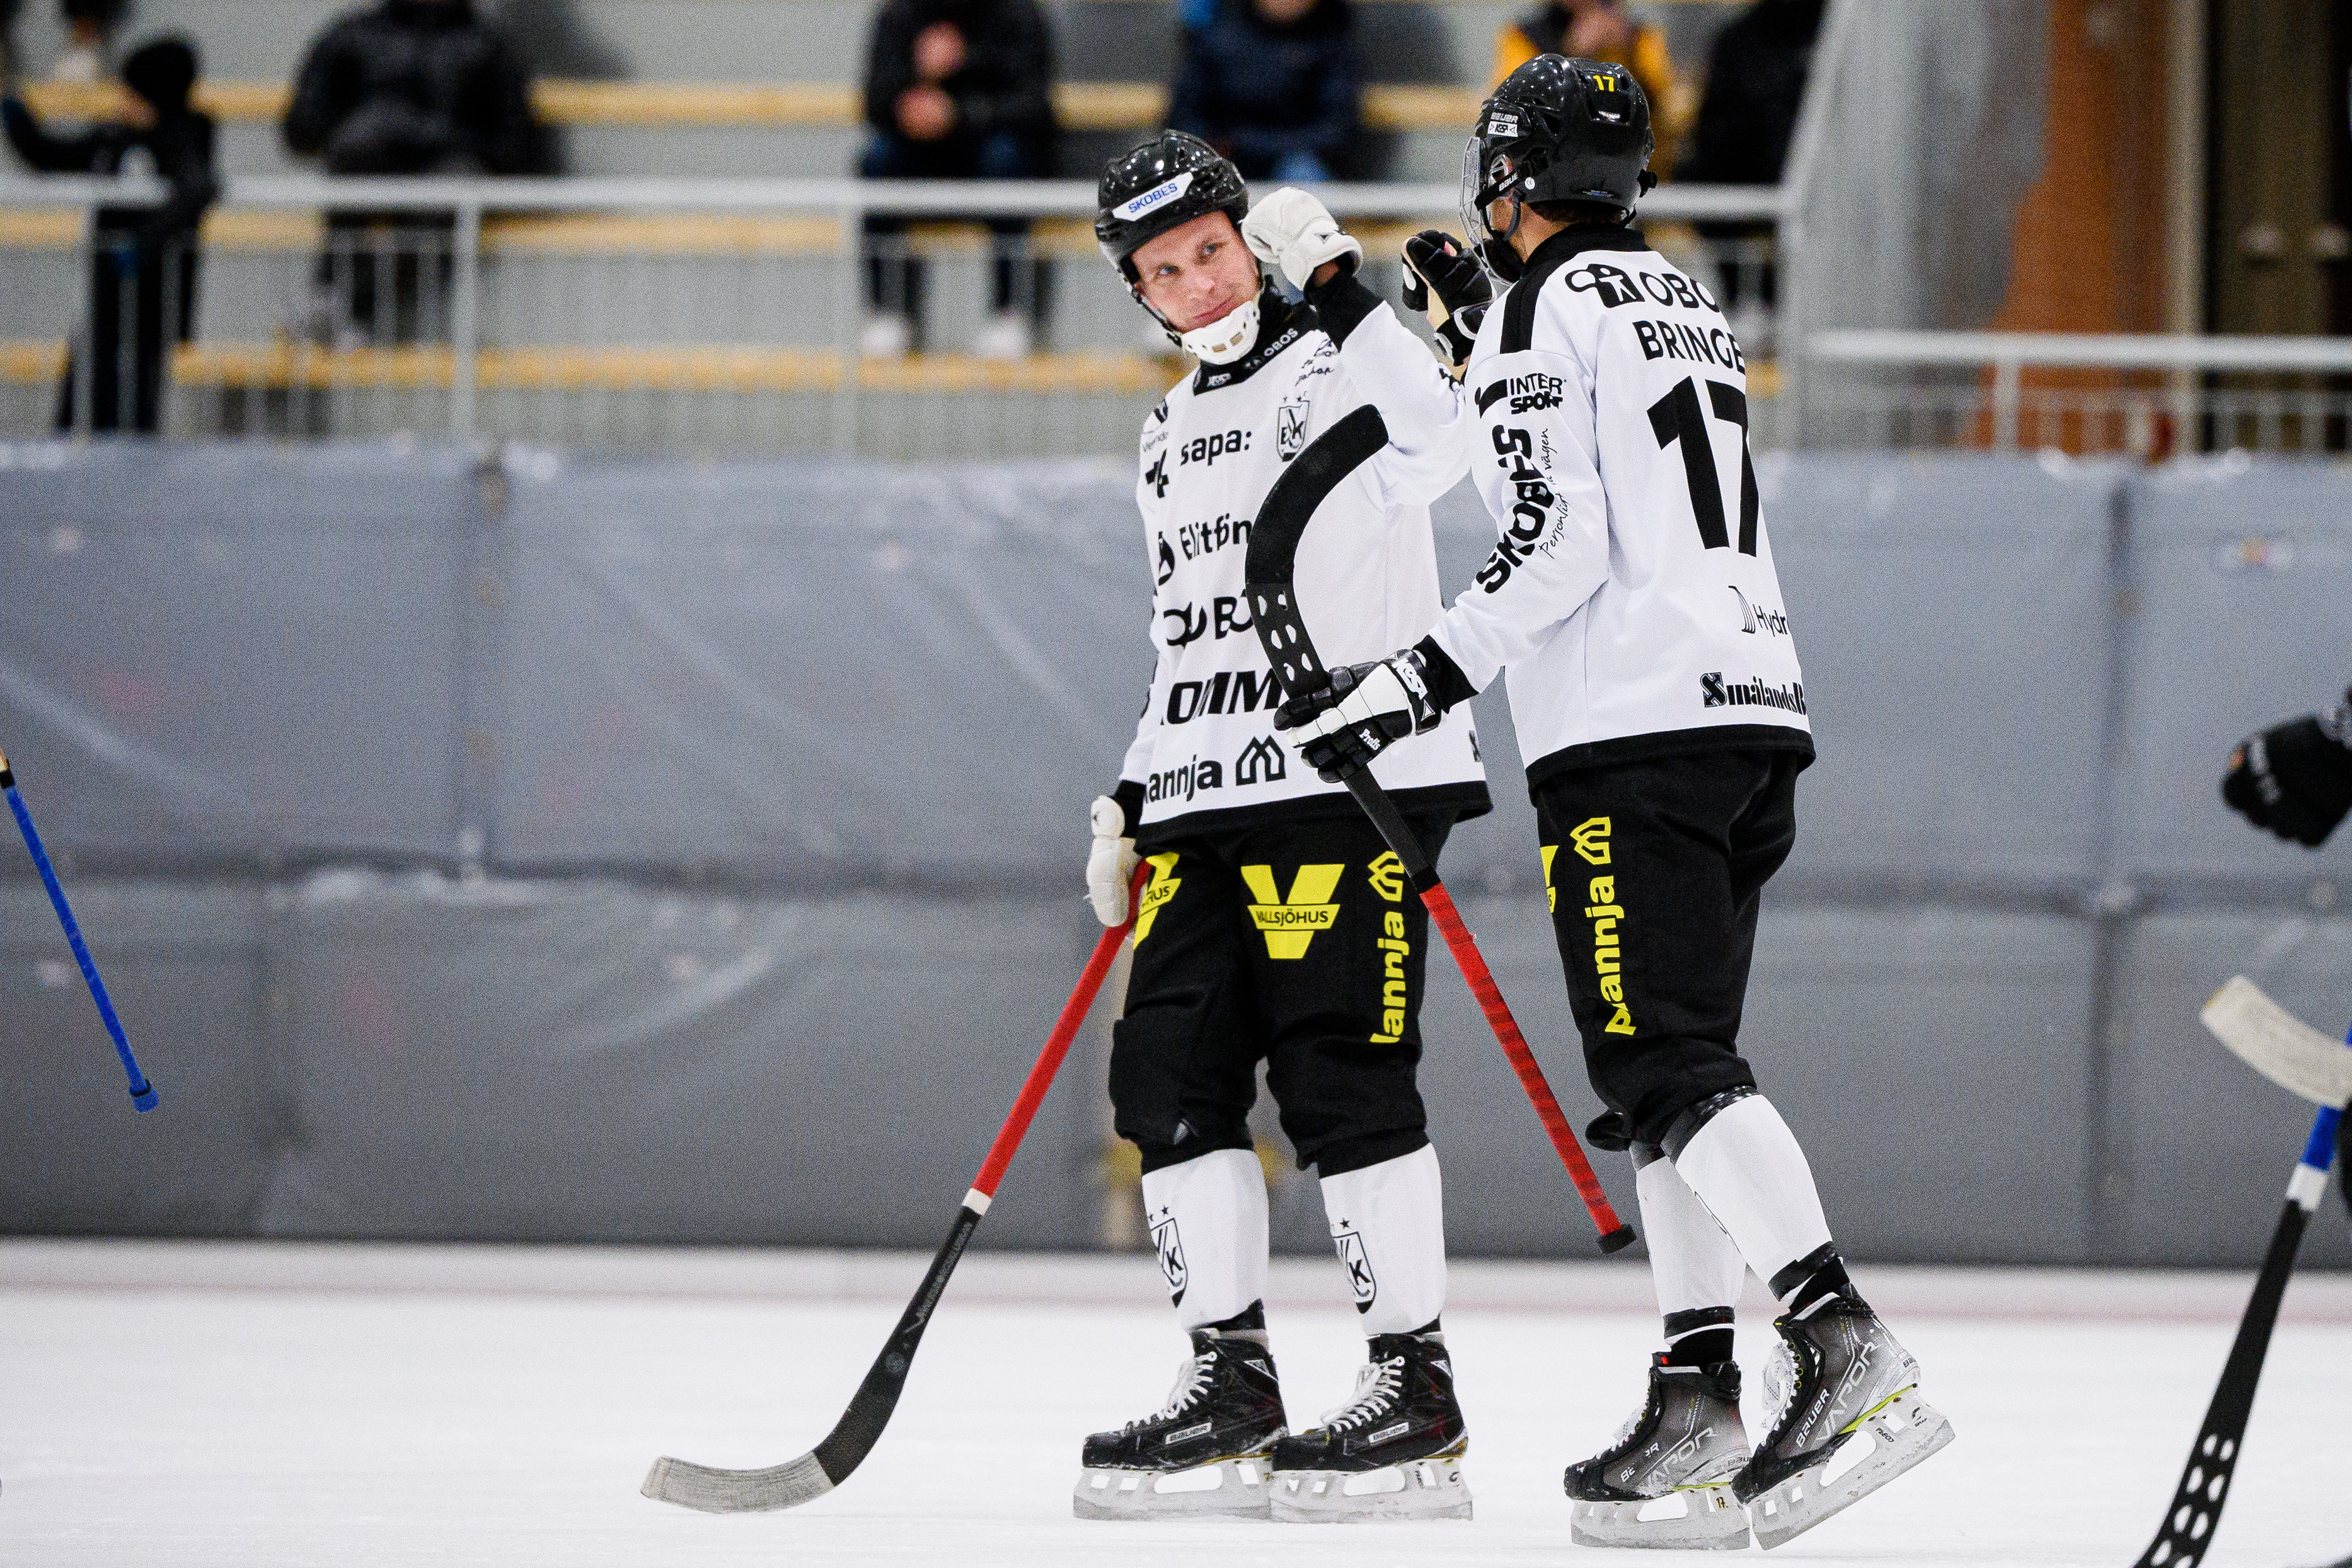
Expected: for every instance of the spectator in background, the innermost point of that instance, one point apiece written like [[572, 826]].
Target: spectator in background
[[956, 90], [1754, 86], [1602, 30], [406, 87], [1271, 84], [91, 26], [142, 259], [8, 9]]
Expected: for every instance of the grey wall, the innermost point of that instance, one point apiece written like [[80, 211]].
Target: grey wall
[[669, 851]]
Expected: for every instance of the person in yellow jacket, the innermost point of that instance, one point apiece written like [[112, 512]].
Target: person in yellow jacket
[[1603, 30]]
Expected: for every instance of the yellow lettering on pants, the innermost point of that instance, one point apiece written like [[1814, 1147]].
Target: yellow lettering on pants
[[1290, 925], [1157, 892]]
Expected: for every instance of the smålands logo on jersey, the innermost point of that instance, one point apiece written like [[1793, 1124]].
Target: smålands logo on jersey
[[1166, 565], [1713, 693]]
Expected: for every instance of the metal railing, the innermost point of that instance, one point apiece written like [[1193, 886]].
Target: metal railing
[[2147, 396], [710, 315]]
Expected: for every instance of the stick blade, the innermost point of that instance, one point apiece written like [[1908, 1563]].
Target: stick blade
[[710, 1490], [2278, 1045]]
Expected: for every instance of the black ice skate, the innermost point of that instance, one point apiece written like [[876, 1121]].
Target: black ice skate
[[1395, 1451], [1202, 1454], [1847, 1419], [1666, 1481]]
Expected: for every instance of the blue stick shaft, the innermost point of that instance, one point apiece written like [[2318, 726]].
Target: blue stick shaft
[[143, 1093]]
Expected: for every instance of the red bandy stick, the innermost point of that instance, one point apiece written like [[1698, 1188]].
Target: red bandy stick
[[1049, 1060], [1614, 1233]]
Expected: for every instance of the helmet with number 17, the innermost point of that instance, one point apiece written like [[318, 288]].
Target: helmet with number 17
[[1556, 130]]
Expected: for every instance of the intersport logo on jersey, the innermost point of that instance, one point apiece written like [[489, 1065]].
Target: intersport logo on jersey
[[1713, 692]]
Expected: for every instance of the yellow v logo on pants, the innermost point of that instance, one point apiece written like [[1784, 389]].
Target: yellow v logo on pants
[[1290, 925], [1157, 892]]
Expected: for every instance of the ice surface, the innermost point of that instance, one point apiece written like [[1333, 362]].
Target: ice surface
[[155, 1425]]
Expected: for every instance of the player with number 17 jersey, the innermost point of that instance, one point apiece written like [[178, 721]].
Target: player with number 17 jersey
[[1638, 511]]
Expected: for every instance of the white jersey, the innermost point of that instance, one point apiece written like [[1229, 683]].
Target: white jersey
[[1632, 595], [1205, 753]]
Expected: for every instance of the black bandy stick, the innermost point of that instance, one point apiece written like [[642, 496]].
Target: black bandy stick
[[827, 1466], [2190, 1520], [1281, 523]]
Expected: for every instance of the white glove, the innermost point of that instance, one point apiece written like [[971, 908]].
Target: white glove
[[1291, 230], [1110, 865]]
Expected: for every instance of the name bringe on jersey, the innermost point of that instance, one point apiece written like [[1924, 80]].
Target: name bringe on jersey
[[1630, 544]]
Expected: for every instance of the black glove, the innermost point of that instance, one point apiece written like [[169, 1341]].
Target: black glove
[[1435, 263], [1353, 717], [2296, 778]]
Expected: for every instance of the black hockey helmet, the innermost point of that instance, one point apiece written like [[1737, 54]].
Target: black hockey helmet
[[1168, 181], [1557, 129]]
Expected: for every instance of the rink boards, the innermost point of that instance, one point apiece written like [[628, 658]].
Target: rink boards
[[665, 851]]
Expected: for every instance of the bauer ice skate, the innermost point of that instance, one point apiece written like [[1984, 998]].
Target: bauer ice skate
[[1665, 1482], [1847, 1419], [1395, 1451], [1204, 1453]]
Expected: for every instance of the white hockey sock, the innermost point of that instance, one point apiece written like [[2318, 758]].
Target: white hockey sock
[[1693, 1263], [1387, 1223], [1745, 1167], [1208, 1222]]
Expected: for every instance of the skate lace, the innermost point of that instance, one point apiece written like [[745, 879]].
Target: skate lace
[[1193, 1380], [1377, 1383]]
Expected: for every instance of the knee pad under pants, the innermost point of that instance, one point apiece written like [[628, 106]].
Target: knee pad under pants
[[1300, 946]]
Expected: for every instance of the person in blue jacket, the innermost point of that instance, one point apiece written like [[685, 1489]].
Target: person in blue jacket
[[1272, 84]]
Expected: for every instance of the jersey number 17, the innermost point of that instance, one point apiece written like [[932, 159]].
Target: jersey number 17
[[1677, 417]]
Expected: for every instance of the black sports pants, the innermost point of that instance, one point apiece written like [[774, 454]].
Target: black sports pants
[[1300, 944], [1654, 870]]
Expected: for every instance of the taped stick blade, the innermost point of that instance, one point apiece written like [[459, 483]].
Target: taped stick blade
[[710, 1490], [2278, 1045]]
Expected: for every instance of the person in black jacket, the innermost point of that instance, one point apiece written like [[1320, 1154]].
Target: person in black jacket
[[955, 90], [1272, 84], [1754, 86], [142, 259], [408, 87]]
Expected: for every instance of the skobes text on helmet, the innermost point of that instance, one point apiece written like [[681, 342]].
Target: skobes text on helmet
[[1159, 185]]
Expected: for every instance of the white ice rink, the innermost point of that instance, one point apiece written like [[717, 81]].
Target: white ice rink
[[164, 1405]]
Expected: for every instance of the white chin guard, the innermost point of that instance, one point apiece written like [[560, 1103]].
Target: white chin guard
[[1226, 339]]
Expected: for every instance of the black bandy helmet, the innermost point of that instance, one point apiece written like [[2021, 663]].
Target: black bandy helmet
[[1558, 130], [1148, 190]]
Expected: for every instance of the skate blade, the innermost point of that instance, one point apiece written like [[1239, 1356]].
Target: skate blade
[[1418, 1488], [1899, 1434], [1691, 1518], [1229, 1488]]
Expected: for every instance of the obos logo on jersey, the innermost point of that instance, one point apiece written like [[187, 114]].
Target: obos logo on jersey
[[1157, 196]]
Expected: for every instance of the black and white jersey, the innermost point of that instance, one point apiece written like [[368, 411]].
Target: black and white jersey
[[1205, 753], [1632, 595]]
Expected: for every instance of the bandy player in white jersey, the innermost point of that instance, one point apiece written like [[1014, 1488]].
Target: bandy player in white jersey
[[1276, 925], [1632, 600]]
